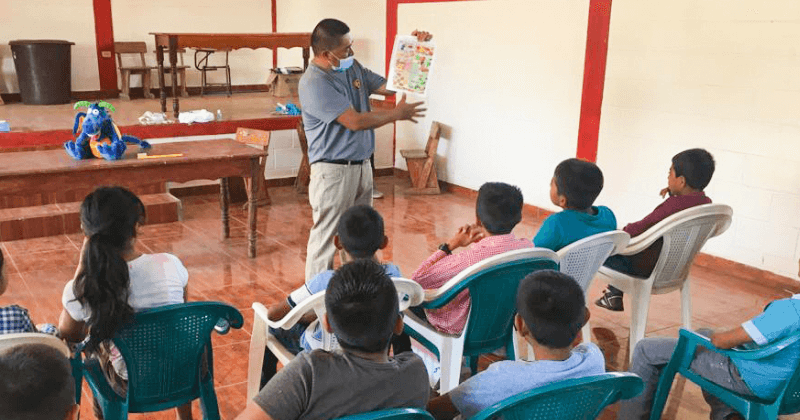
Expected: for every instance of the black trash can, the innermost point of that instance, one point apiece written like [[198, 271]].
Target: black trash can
[[44, 70]]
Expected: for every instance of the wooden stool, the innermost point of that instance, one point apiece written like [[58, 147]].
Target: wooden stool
[[259, 138], [422, 165], [304, 172]]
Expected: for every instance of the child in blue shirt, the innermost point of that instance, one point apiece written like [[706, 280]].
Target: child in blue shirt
[[360, 234], [550, 314], [761, 378], [574, 187]]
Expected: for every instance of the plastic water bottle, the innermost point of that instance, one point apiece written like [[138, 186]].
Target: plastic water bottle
[[219, 115]]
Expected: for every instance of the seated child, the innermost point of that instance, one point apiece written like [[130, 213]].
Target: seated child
[[575, 185], [762, 378], [498, 209], [551, 312], [689, 174], [13, 318], [36, 384], [360, 234], [363, 312]]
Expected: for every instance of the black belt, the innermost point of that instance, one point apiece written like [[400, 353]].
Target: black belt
[[341, 161]]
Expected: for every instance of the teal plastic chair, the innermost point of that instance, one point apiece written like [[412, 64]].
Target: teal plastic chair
[[571, 399], [392, 414], [492, 285], [165, 350], [787, 401]]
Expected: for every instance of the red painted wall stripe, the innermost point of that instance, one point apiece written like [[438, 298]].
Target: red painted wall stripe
[[275, 29], [594, 76], [104, 38]]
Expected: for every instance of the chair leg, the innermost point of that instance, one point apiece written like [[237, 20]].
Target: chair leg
[[686, 305], [208, 399], [126, 82], [146, 83], [228, 79], [640, 302], [662, 391], [258, 344], [182, 74], [451, 366]]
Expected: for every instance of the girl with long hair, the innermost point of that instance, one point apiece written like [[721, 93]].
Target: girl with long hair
[[113, 280]]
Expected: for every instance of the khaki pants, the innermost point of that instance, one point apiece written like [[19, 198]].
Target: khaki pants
[[333, 189]]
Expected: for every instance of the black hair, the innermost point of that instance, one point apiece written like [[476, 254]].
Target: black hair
[[109, 217], [360, 231], [327, 35], [552, 305], [696, 166], [499, 207], [35, 383], [579, 181], [362, 306]]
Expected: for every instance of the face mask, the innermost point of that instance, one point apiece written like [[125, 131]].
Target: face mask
[[344, 64]]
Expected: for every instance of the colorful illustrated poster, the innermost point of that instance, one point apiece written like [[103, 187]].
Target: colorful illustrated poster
[[411, 64]]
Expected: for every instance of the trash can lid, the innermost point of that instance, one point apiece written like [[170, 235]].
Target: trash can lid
[[39, 41]]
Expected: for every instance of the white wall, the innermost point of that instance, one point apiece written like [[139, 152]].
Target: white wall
[[134, 20], [27, 19], [507, 80], [715, 74], [366, 19]]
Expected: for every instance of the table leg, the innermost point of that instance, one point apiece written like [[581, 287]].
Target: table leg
[[163, 93], [252, 207], [224, 199], [173, 62]]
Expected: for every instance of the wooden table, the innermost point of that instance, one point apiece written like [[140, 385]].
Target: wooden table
[[48, 171], [175, 41]]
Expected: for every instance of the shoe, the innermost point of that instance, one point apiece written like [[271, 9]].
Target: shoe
[[610, 301], [377, 194]]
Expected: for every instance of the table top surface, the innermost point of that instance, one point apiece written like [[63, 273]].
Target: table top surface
[[195, 152], [236, 40]]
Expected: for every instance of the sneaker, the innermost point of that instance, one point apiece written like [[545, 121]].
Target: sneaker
[[610, 301], [376, 194]]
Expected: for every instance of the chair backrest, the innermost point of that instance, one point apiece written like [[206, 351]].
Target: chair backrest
[[581, 259], [492, 285], [684, 234], [10, 340], [409, 293], [582, 398], [164, 349], [433, 139], [392, 414], [130, 48]]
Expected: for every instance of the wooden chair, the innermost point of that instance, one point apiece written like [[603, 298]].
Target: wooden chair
[[125, 72], [180, 69], [304, 172], [201, 57], [422, 165], [261, 139]]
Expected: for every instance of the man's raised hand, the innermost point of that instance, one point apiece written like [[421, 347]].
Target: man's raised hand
[[409, 110]]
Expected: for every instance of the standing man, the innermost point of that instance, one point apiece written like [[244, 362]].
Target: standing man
[[334, 94]]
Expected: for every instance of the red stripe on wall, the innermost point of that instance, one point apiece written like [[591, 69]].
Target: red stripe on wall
[[594, 76], [275, 29], [104, 38]]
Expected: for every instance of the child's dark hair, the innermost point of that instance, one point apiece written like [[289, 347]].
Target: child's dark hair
[[109, 216], [552, 305], [499, 207], [360, 231], [362, 306], [327, 34], [35, 383], [694, 165], [579, 181]]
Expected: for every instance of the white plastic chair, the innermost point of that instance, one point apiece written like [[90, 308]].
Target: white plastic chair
[[493, 285], [10, 340], [410, 293], [684, 233], [581, 260]]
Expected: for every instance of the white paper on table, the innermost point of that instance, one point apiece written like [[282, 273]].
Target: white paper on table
[[411, 65]]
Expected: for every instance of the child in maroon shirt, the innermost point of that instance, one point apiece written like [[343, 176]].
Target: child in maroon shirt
[[689, 174]]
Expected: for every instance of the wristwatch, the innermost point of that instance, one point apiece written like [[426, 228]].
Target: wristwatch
[[445, 248]]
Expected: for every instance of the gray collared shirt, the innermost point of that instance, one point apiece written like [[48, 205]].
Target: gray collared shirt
[[324, 96]]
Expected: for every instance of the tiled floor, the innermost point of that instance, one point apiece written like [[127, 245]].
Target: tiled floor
[[220, 270]]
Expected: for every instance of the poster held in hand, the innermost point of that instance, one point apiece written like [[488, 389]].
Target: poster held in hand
[[410, 68]]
